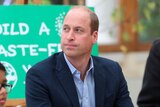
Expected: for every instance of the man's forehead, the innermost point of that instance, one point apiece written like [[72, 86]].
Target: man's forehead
[[77, 15], [75, 26], [83, 8], [78, 10]]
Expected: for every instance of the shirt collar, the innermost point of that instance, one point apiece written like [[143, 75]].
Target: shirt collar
[[73, 69]]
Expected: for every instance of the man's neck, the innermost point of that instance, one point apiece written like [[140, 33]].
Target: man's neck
[[81, 64]]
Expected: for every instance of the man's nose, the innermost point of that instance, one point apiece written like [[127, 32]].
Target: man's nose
[[71, 35]]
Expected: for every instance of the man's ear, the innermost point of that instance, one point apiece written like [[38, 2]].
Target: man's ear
[[94, 37]]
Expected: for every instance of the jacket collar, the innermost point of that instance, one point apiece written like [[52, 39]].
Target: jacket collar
[[65, 77], [99, 79]]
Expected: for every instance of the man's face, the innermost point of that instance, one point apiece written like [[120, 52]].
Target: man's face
[[3, 93], [76, 37]]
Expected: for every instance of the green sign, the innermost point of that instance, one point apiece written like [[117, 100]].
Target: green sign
[[29, 34]]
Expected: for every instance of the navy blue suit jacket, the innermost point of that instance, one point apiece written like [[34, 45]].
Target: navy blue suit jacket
[[50, 84]]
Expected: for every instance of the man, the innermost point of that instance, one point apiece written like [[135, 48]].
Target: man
[[4, 87], [74, 78], [150, 93]]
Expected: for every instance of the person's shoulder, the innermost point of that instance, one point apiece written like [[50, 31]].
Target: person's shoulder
[[103, 60], [46, 64], [156, 46], [107, 66], [156, 42]]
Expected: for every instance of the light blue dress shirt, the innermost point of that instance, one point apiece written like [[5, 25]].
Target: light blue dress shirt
[[86, 88]]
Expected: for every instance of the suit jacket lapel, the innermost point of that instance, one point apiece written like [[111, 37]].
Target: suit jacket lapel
[[99, 85], [65, 77]]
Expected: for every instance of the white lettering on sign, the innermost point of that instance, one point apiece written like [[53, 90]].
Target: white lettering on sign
[[26, 68], [28, 50], [14, 29], [44, 29]]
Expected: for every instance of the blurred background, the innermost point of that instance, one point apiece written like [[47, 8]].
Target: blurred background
[[127, 30]]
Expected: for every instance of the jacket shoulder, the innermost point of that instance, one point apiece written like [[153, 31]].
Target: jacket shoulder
[[104, 61], [107, 65], [156, 47], [46, 64]]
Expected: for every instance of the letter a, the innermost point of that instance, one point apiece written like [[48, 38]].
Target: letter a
[[44, 28]]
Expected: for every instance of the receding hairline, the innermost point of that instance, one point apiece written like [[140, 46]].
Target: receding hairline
[[81, 7], [93, 17]]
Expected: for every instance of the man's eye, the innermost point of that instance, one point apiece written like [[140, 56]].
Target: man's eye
[[79, 30], [65, 29]]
